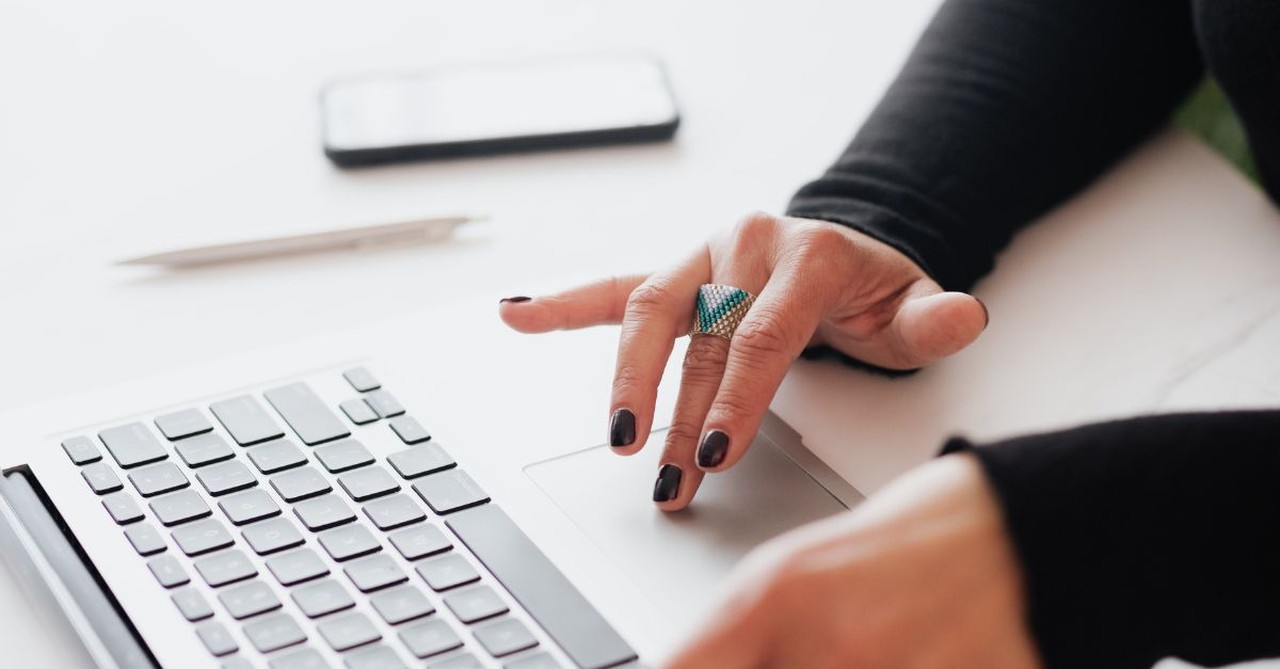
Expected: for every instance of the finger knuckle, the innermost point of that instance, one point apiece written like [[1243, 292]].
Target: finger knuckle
[[756, 227], [627, 377], [702, 360], [683, 432], [648, 298], [732, 405], [820, 247], [762, 335]]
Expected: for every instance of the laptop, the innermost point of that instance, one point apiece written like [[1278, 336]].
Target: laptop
[[429, 491]]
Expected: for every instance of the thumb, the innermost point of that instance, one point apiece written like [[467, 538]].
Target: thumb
[[599, 303], [931, 327]]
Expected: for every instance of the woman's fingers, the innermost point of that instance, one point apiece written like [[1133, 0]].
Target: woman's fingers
[[598, 303], [776, 328], [931, 327], [657, 312], [678, 477]]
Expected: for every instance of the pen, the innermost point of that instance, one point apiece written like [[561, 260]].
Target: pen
[[401, 232]]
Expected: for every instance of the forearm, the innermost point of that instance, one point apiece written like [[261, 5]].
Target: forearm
[[1004, 109], [1147, 538]]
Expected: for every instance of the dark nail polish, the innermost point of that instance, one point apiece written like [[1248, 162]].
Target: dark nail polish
[[516, 300], [622, 428], [667, 487], [713, 449], [986, 315]]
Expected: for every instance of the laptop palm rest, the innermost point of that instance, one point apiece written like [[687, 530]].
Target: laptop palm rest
[[680, 558]]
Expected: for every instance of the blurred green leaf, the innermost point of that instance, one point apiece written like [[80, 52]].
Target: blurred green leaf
[[1208, 115]]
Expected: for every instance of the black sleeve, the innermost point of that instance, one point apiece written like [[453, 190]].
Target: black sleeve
[[1004, 109], [1147, 538]]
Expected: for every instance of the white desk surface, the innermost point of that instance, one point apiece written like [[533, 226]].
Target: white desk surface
[[132, 126]]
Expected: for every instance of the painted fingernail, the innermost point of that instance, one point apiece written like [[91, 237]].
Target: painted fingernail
[[986, 314], [713, 449], [667, 486], [516, 300], [622, 428]]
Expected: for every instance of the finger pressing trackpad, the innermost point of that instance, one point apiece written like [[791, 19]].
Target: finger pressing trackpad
[[680, 558]]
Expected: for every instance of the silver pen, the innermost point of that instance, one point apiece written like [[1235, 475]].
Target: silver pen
[[402, 232]]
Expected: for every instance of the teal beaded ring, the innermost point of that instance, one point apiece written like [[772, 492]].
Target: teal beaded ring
[[719, 310]]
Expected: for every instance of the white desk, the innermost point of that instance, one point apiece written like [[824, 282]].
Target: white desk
[[135, 126]]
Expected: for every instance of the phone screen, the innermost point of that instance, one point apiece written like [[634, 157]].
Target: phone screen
[[473, 103]]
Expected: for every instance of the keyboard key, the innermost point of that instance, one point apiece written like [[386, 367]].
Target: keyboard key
[[226, 477], [248, 506], [421, 541], [374, 573], [203, 449], [276, 456], [394, 511], [374, 657], [158, 478], [249, 599], [101, 478], [271, 536], [449, 491], [322, 598], [430, 638], [384, 403], [352, 541], [192, 604], [368, 483], [361, 379], [409, 430], [274, 632], [179, 507], [324, 512], [421, 460], [132, 445], [400, 604], [474, 604], [236, 662], [82, 450], [358, 411], [343, 455], [183, 424], [300, 484], [307, 658], [203, 537], [226, 567], [505, 637], [145, 539], [304, 411], [168, 571], [297, 566], [447, 572], [122, 507], [246, 420], [540, 587], [536, 661], [217, 639], [348, 631], [466, 661]]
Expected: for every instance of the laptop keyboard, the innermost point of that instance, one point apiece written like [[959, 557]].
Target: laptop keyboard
[[272, 517]]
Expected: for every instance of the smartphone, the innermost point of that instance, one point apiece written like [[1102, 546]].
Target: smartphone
[[473, 109]]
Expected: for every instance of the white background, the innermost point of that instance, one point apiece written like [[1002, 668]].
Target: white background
[[131, 127]]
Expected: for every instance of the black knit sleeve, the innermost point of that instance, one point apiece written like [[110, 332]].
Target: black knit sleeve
[[1004, 109], [1147, 538]]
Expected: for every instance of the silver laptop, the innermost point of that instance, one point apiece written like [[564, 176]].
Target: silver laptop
[[424, 492]]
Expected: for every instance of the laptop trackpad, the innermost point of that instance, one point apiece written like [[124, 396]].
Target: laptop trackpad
[[680, 558]]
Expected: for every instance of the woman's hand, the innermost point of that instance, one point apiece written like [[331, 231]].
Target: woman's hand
[[815, 282], [921, 576]]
